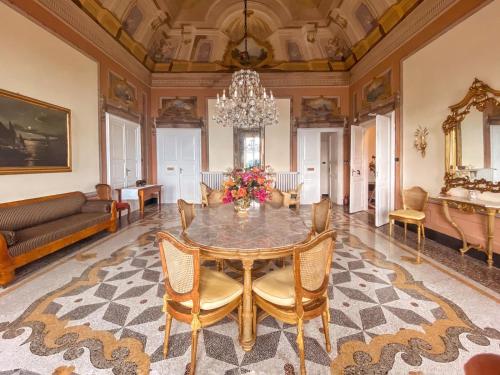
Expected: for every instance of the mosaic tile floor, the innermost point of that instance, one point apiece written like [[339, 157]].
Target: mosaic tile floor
[[97, 310]]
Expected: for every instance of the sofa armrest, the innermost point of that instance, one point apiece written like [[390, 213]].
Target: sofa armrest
[[97, 206]]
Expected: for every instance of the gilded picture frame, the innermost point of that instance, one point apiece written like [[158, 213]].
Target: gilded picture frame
[[35, 136]]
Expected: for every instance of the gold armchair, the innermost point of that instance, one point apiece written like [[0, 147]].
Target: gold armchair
[[413, 212], [210, 196], [194, 295], [292, 197], [298, 293]]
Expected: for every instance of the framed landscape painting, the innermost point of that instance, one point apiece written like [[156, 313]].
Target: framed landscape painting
[[35, 137]]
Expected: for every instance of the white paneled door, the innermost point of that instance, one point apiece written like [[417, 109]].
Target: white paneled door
[[309, 155], [358, 187], [123, 138], [179, 164], [384, 176]]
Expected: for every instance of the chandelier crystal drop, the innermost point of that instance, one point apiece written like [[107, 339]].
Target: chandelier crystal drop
[[248, 105]]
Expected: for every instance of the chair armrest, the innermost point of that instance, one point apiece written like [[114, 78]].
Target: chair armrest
[[97, 206], [8, 236]]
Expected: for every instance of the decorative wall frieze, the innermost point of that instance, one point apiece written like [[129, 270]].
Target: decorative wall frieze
[[73, 16], [419, 18], [222, 80]]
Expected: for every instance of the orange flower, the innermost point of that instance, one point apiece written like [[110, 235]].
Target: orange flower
[[242, 193], [229, 183], [234, 193]]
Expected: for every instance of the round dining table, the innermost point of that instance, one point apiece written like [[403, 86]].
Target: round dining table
[[264, 232]]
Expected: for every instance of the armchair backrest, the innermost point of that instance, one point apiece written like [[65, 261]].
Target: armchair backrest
[[104, 192], [311, 266], [187, 212], [181, 267], [321, 215], [415, 198]]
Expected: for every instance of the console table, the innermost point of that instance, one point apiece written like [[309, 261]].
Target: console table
[[491, 209], [141, 193]]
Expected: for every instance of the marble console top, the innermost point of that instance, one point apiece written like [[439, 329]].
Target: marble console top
[[475, 202], [263, 228]]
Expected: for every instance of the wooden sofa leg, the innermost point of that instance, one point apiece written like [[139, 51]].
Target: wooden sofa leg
[[7, 270], [114, 220]]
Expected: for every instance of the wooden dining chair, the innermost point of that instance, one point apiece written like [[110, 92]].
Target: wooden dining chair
[[321, 213], [413, 212], [209, 196], [292, 196], [104, 193], [276, 198], [187, 213], [194, 295], [298, 293]]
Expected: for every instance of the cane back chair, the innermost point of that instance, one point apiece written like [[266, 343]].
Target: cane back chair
[[187, 213], [321, 213], [413, 212], [298, 293], [193, 294], [104, 193]]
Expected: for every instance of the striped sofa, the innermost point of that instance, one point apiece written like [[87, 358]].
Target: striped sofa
[[33, 228]]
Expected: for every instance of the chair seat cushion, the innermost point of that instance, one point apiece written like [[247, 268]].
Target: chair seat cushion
[[408, 214], [277, 287], [122, 206], [31, 238], [216, 290]]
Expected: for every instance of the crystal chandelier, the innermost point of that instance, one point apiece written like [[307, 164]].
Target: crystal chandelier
[[247, 105]]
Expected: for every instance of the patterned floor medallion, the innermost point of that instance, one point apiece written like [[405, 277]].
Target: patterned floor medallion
[[99, 311]]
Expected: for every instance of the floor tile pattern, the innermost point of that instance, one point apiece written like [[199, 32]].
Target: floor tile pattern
[[105, 315]]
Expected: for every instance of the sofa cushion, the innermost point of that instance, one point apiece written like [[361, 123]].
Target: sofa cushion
[[28, 214], [97, 206], [30, 238], [10, 237]]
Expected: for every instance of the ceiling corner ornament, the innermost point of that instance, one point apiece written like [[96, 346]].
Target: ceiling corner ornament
[[420, 142], [247, 106]]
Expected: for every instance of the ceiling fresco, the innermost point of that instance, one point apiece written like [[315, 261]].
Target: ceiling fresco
[[285, 35]]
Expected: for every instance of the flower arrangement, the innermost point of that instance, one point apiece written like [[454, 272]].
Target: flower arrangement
[[244, 185]]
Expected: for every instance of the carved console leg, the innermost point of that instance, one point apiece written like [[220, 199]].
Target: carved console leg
[[491, 235], [446, 211], [247, 338]]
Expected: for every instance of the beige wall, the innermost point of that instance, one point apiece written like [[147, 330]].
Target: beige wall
[[220, 142], [37, 64], [438, 76], [277, 141]]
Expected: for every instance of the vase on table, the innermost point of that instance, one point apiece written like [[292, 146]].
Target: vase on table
[[242, 205]]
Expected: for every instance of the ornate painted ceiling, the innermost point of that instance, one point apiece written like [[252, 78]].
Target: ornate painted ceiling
[[285, 35]]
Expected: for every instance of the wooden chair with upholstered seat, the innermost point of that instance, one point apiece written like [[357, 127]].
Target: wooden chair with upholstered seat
[[187, 212], [413, 212], [104, 193], [209, 196], [298, 293], [193, 294], [292, 197], [321, 213]]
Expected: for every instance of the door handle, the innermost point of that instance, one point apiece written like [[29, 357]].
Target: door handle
[[180, 170]]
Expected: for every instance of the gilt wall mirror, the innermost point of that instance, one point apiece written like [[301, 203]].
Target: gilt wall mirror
[[248, 147], [472, 141]]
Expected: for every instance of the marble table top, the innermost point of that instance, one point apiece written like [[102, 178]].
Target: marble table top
[[264, 229]]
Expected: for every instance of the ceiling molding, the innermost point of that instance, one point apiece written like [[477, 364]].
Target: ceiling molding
[[424, 14], [73, 16], [269, 80]]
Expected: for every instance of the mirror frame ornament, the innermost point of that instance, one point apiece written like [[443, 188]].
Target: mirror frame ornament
[[479, 96]]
